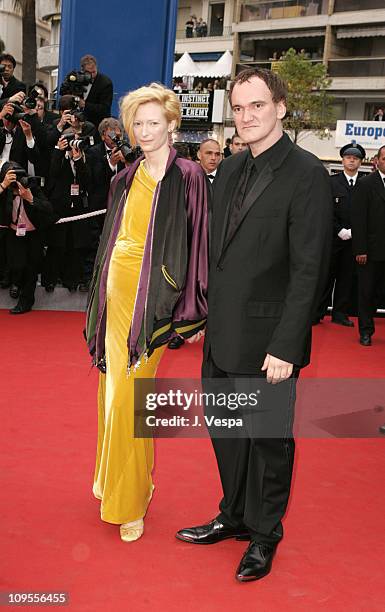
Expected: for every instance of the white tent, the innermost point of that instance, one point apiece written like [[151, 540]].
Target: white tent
[[221, 68], [185, 67]]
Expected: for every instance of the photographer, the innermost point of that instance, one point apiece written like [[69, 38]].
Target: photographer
[[19, 136], [26, 211], [105, 160], [9, 85], [68, 189], [95, 90], [70, 117]]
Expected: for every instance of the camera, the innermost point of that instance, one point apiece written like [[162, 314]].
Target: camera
[[30, 102], [18, 113], [2, 69], [129, 153], [81, 143], [75, 83], [24, 179]]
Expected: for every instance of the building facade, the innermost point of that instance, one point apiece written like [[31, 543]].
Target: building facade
[[11, 35]]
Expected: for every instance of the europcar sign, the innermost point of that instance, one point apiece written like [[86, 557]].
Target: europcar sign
[[369, 134]]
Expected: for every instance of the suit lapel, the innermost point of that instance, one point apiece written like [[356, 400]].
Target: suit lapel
[[223, 191]]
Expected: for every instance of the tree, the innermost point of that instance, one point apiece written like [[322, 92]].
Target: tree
[[29, 53], [309, 106]]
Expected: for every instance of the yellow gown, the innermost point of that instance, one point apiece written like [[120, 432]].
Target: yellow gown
[[124, 464]]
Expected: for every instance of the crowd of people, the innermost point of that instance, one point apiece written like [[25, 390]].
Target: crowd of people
[[196, 27], [54, 167]]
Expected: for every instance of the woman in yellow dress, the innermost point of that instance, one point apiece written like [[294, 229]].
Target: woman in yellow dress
[[149, 284]]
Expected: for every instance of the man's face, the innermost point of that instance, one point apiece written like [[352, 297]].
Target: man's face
[[237, 145], [40, 108], [209, 154], [8, 69], [256, 115], [381, 161], [351, 163], [90, 67], [109, 134]]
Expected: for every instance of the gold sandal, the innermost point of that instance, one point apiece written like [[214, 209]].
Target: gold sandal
[[129, 532]]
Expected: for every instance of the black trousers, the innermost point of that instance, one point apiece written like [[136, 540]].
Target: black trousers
[[340, 279], [24, 255], [255, 472], [371, 281]]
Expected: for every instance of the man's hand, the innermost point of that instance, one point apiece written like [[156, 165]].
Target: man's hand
[[116, 156], [76, 154], [9, 178], [62, 143], [361, 259], [6, 110], [345, 234], [65, 119], [25, 193], [25, 126], [277, 370], [17, 98], [81, 103], [196, 337]]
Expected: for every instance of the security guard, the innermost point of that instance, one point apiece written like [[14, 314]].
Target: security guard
[[342, 261]]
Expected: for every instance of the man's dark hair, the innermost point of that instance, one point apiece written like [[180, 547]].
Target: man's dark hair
[[379, 150], [8, 58], [208, 140], [276, 85], [234, 136], [41, 86], [66, 102]]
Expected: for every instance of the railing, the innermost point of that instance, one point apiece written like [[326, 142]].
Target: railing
[[226, 32], [48, 57], [255, 10], [269, 64], [357, 5], [355, 67]]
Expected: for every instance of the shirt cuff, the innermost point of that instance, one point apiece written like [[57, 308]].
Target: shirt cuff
[[31, 143]]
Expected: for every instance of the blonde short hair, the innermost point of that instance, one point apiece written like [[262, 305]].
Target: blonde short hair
[[155, 92]]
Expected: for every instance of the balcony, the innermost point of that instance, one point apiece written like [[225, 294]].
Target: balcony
[[48, 57], [357, 5], [255, 10], [184, 35], [357, 67]]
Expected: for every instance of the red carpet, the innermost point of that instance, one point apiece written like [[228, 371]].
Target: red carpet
[[333, 553]]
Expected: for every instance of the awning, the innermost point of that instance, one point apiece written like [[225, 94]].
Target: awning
[[378, 30], [221, 68], [284, 35], [185, 67]]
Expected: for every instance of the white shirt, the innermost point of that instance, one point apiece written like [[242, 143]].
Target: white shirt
[[7, 147], [213, 174], [351, 178], [113, 168]]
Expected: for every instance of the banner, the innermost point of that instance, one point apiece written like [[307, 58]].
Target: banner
[[195, 106], [369, 134]]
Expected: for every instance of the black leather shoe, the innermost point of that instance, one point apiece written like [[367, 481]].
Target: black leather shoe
[[72, 288], [20, 309], [50, 288], [14, 292], [84, 287], [256, 562], [176, 343], [365, 340], [381, 429], [211, 533], [345, 322]]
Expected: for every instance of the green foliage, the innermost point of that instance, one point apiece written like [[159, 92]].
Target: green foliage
[[309, 106]]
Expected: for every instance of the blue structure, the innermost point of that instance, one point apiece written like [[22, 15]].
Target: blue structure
[[132, 40]]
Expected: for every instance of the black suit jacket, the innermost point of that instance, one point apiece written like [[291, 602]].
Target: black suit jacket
[[342, 201], [99, 99], [101, 175], [13, 87], [368, 217], [265, 280]]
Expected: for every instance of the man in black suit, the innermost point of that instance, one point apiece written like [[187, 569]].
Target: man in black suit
[[271, 237], [368, 234], [97, 99], [342, 262], [9, 85]]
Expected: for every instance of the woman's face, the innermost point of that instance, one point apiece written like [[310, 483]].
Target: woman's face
[[151, 128]]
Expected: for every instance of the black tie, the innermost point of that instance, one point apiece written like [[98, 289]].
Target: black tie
[[211, 177], [351, 183]]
